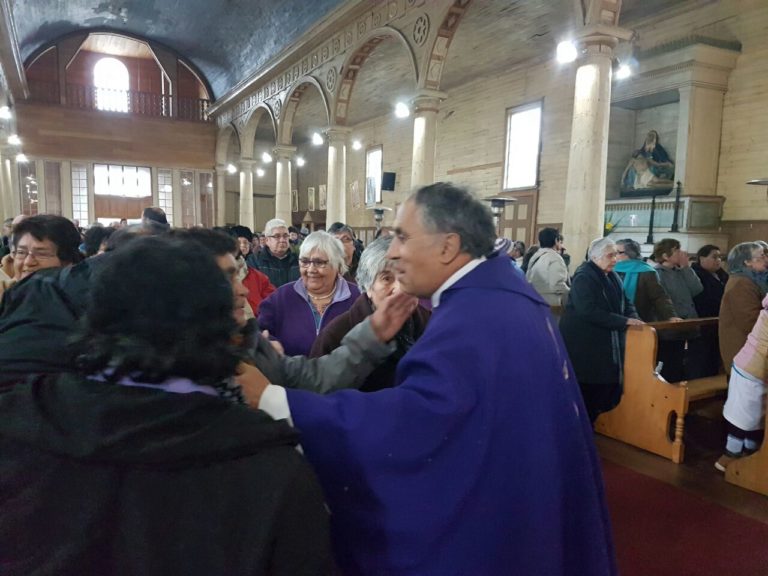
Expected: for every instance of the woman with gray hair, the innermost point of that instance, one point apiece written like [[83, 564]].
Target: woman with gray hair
[[742, 298], [376, 281], [594, 326], [297, 311]]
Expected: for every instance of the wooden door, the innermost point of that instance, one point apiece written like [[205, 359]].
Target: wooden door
[[517, 222]]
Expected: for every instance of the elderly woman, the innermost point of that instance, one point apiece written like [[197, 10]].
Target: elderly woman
[[376, 281], [594, 326], [742, 298], [297, 312]]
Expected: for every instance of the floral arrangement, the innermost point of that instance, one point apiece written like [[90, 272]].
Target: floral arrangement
[[609, 224]]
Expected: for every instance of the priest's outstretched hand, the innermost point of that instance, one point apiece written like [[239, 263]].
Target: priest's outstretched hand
[[388, 318]]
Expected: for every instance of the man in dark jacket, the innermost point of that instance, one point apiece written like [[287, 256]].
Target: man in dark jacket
[[139, 464], [276, 259]]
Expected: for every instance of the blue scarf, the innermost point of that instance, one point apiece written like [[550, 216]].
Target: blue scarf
[[630, 270]]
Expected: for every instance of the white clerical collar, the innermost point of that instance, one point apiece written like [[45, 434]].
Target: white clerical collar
[[455, 277]]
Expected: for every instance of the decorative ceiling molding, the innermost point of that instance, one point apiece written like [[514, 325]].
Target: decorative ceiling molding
[[10, 57]]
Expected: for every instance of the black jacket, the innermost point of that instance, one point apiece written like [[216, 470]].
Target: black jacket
[[102, 479], [594, 325], [279, 270], [38, 316], [708, 302]]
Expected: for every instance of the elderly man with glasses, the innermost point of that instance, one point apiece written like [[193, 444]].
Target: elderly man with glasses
[[276, 259]]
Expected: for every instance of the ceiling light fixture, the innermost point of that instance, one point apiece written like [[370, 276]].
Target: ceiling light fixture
[[566, 52], [624, 71], [402, 110]]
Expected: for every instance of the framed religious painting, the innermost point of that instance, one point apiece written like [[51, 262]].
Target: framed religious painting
[[311, 198], [322, 199]]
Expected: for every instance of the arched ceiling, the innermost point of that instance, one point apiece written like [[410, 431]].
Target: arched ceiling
[[226, 39]]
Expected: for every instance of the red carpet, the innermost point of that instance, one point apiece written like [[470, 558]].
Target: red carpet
[[661, 530]]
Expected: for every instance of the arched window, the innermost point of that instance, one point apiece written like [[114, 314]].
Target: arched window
[[110, 77]]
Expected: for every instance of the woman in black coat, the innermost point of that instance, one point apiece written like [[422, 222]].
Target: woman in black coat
[[594, 326]]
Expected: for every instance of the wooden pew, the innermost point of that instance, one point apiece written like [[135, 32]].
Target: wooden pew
[[751, 472], [651, 406]]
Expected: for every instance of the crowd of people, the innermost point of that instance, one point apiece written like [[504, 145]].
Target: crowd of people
[[616, 287], [196, 401]]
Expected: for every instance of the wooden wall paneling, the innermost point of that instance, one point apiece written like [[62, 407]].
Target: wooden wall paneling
[[58, 132], [118, 207]]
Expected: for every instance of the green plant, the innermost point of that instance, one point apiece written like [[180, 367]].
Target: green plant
[[609, 224]]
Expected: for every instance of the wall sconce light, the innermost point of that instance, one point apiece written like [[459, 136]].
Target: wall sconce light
[[402, 110], [567, 52], [14, 140], [378, 214], [260, 172], [623, 72], [21, 158], [231, 169], [5, 113], [266, 157], [317, 139], [497, 209], [300, 161], [356, 145]]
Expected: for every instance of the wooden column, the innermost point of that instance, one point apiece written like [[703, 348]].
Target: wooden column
[[337, 169]]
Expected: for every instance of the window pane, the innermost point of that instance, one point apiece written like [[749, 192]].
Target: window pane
[[523, 133], [373, 168], [127, 181]]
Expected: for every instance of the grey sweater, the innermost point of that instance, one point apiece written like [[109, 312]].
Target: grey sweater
[[682, 285]]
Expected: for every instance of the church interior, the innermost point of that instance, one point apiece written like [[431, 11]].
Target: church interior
[[235, 113]]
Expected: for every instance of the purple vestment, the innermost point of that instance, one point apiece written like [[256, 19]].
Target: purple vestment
[[480, 462]]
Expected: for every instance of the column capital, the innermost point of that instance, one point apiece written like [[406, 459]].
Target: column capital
[[338, 134], [247, 163], [284, 151], [426, 100], [602, 38]]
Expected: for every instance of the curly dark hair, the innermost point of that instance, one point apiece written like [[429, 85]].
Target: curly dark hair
[[159, 308], [94, 238]]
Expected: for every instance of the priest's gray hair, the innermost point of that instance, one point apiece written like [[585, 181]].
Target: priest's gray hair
[[329, 245], [599, 247], [449, 209], [373, 262]]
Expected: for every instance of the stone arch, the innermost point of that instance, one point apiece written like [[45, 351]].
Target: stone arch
[[291, 103], [433, 65], [351, 67], [249, 130], [222, 143]]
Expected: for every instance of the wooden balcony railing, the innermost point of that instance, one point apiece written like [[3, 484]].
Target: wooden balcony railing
[[127, 101]]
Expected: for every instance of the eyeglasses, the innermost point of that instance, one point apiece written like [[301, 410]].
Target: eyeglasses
[[316, 262], [279, 236], [22, 253]]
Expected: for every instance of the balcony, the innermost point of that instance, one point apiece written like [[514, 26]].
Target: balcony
[[126, 101]]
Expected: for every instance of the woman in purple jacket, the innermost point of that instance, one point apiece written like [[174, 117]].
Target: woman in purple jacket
[[296, 313]]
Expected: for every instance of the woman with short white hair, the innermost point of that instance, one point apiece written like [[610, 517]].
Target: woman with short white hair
[[377, 282], [594, 326], [297, 311]]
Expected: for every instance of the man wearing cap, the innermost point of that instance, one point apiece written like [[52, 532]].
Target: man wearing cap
[[276, 259]]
